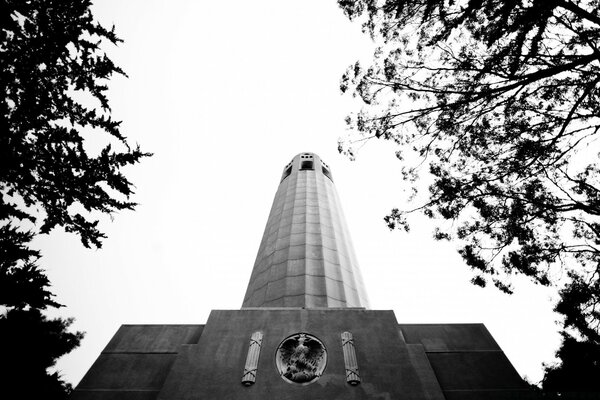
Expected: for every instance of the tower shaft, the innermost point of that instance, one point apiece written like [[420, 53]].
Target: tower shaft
[[306, 258]]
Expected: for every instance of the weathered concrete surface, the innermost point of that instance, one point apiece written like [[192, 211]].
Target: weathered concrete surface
[[482, 370], [467, 361], [114, 394], [408, 361], [493, 395], [306, 257], [153, 338], [388, 368], [135, 371], [449, 337], [420, 363], [135, 363]]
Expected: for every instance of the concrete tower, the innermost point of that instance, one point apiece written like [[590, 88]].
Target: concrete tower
[[304, 330], [306, 258]]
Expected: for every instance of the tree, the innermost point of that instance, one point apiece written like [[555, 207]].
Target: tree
[[54, 74], [500, 102], [32, 342], [578, 370]]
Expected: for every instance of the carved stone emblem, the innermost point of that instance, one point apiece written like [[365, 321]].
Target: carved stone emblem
[[301, 358]]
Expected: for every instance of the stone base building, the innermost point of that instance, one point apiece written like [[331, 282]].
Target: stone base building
[[305, 330]]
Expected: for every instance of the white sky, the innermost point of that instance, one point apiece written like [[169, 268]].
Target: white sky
[[225, 94]]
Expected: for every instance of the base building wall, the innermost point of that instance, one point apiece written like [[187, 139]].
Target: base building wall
[[395, 361]]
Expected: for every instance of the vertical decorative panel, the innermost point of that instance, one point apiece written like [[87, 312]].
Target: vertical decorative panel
[[251, 366], [352, 375]]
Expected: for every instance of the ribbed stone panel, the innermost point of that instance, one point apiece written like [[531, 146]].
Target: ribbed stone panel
[[306, 258]]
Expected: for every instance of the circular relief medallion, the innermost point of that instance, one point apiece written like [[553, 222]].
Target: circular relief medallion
[[301, 358]]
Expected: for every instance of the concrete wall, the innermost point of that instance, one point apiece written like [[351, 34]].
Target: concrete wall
[[396, 362], [467, 361], [136, 362], [306, 257], [389, 369]]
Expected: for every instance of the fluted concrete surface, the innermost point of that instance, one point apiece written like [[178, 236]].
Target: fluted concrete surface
[[306, 258]]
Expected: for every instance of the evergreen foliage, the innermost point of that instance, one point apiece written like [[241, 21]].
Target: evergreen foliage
[[54, 75]]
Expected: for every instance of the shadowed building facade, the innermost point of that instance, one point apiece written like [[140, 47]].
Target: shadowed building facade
[[305, 330]]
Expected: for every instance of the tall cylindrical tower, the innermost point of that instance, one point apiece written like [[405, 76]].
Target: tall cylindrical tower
[[306, 258]]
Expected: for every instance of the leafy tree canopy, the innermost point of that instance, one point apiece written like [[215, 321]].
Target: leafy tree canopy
[[54, 74], [500, 102]]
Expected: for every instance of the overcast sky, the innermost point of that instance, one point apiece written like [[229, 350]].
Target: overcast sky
[[225, 94]]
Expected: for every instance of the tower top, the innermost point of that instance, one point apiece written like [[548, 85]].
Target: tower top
[[307, 161], [306, 258]]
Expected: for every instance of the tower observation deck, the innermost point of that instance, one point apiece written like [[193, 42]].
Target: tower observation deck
[[306, 258]]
